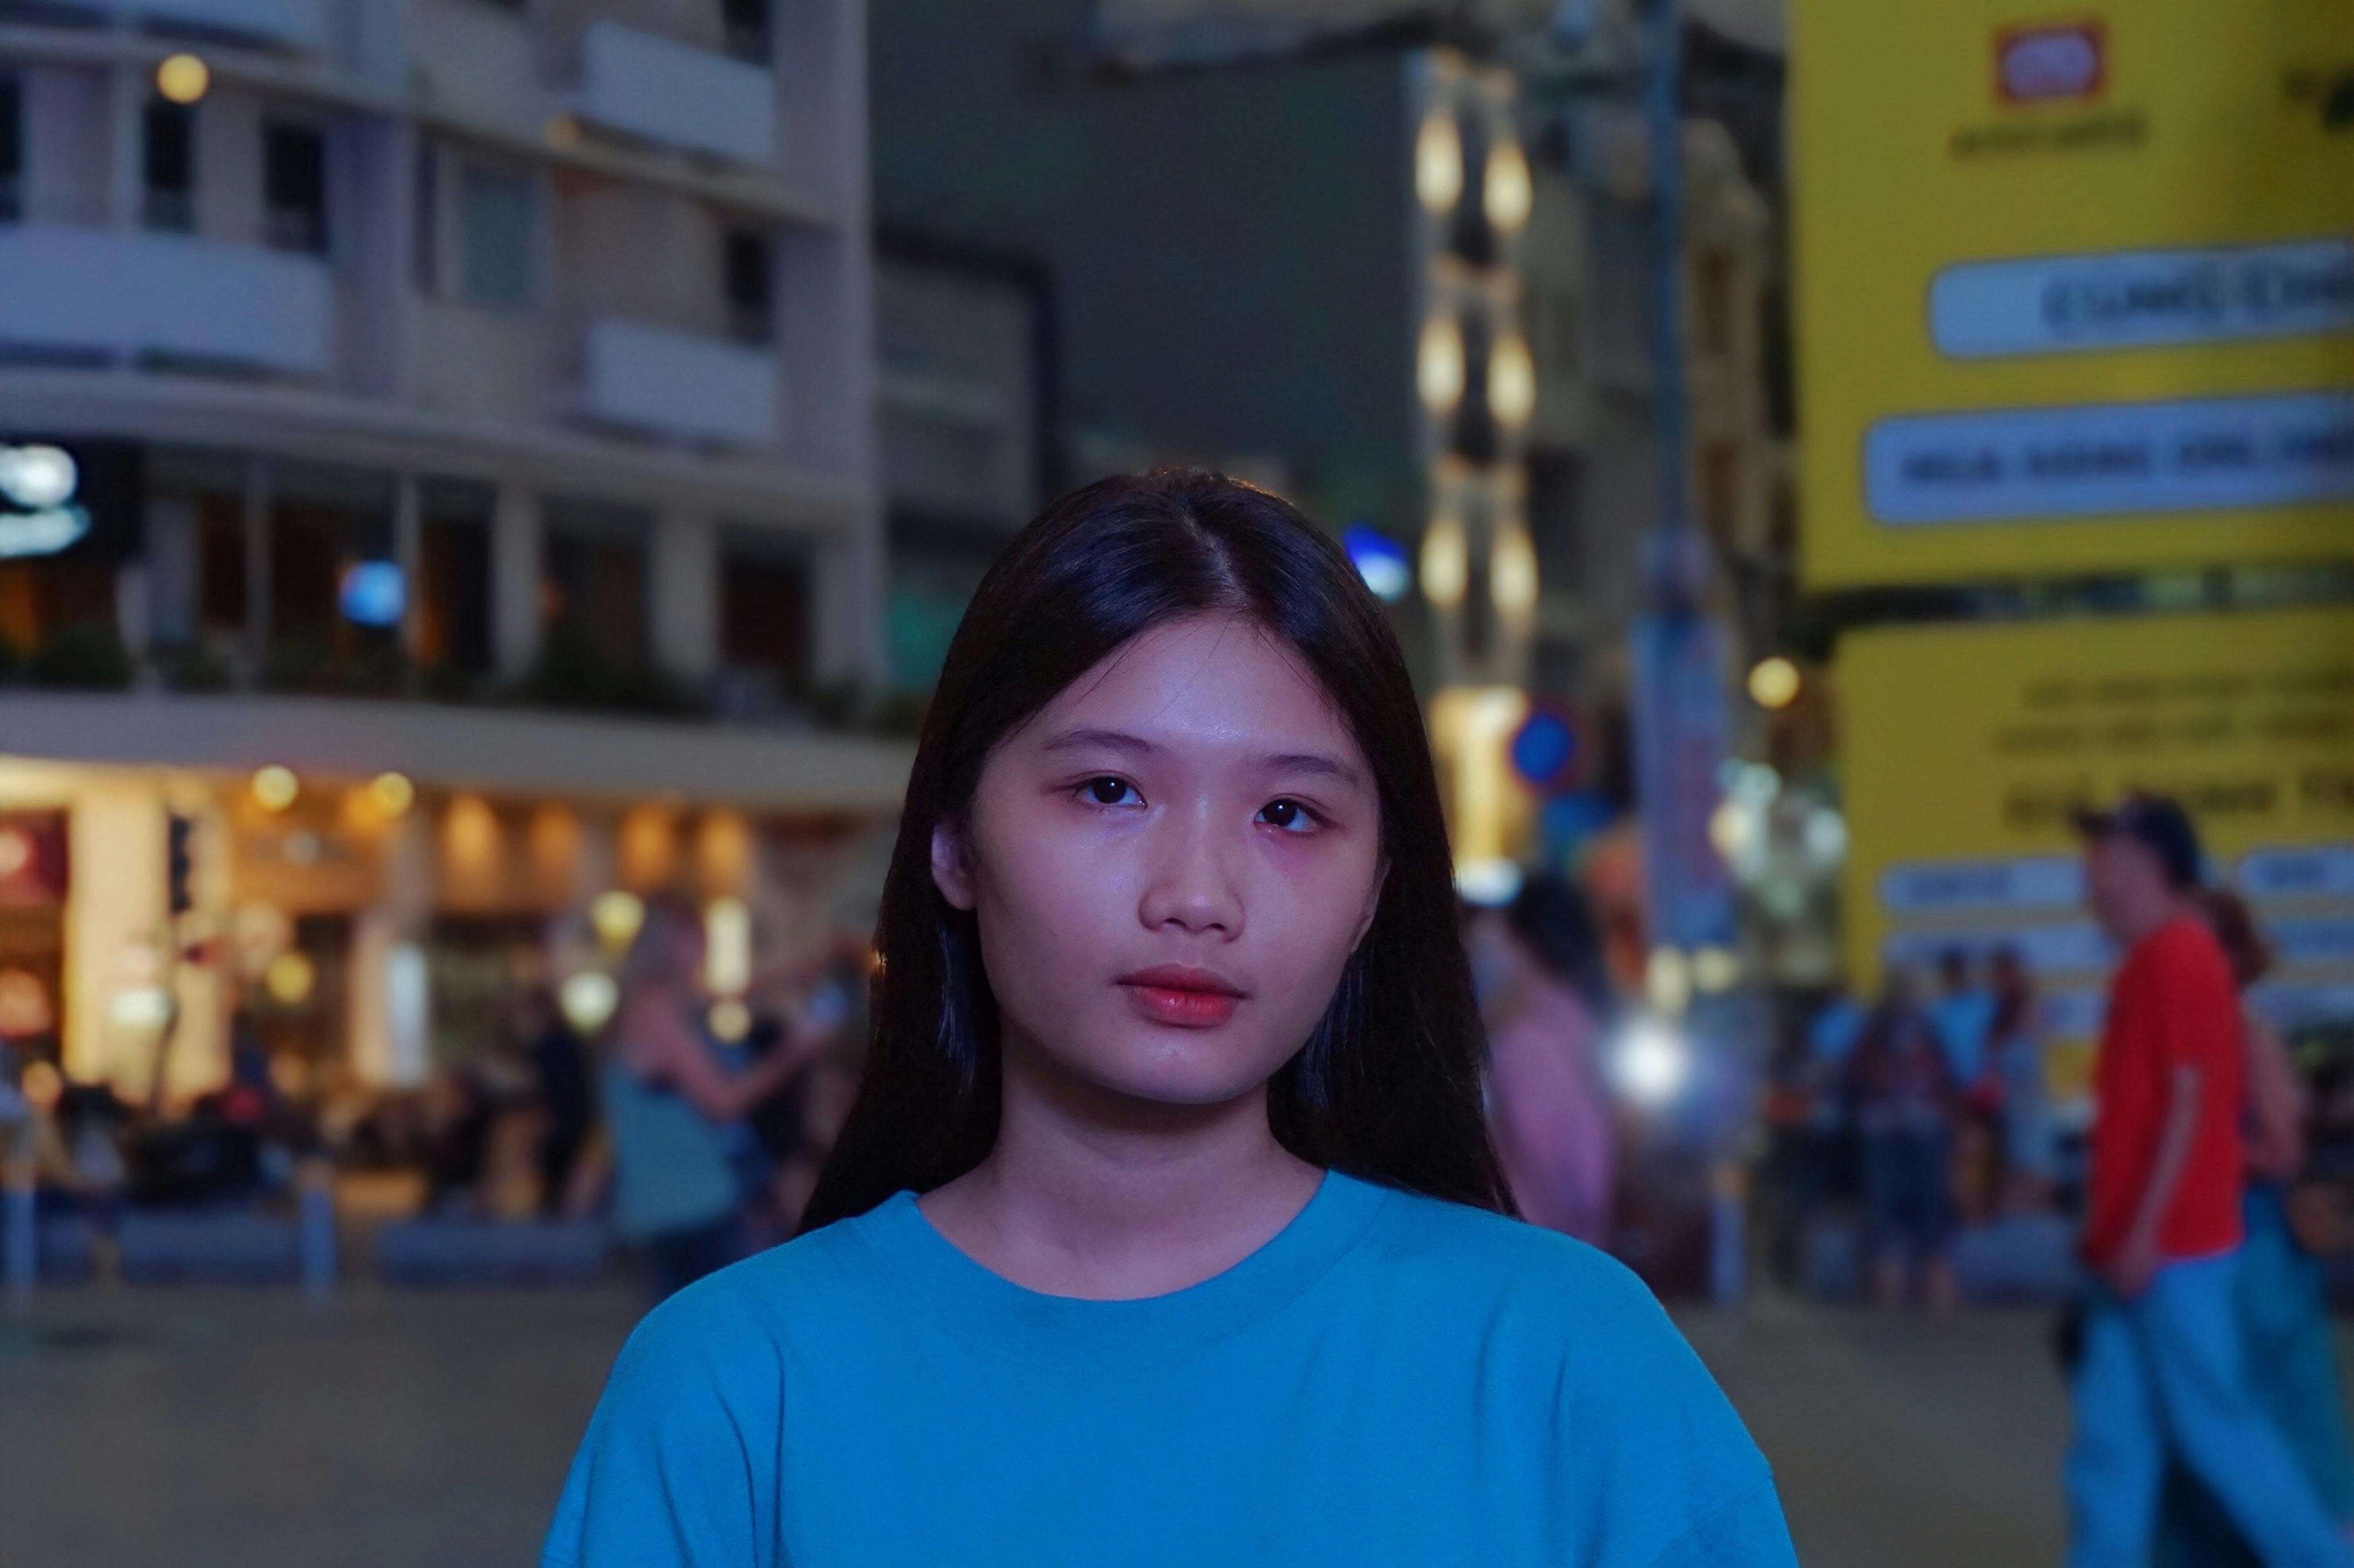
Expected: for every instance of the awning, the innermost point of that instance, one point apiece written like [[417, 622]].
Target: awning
[[499, 751]]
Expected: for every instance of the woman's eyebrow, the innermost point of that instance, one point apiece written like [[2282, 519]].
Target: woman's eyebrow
[[1315, 762], [1098, 741]]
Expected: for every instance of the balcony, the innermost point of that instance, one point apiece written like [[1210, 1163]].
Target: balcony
[[293, 24], [681, 385], [75, 291], [676, 94]]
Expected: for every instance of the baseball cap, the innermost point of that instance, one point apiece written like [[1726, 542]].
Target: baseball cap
[[2158, 822]]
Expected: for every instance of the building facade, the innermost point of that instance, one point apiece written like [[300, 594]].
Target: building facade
[[439, 452]]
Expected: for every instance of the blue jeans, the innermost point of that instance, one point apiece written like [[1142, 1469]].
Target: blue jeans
[[2166, 1373]]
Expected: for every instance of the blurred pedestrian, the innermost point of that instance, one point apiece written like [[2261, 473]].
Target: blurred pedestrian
[[1536, 967], [2030, 1139], [1905, 1102], [2162, 1367], [2283, 1299], [668, 1106], [1962, 1015], [565, 1083], [1163, 1229]]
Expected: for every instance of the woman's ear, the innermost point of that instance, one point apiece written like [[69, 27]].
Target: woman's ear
[[951, 867], [1372, 903]]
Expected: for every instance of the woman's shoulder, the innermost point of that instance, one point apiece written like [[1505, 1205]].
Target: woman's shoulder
[[1483, 1259], [764, 1303]]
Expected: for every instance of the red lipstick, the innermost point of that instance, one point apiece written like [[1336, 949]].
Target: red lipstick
[[1184, 997]]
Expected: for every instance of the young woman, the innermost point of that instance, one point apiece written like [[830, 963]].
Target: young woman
[[1164, 1228]]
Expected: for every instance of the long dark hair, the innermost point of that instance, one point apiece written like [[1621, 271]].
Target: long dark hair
[[1387, 1086]]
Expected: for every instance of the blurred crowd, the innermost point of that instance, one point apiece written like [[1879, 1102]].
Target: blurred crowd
[[541, 1121], [1903, 1122]]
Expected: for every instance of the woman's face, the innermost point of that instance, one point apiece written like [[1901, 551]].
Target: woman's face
[[1170, 866]]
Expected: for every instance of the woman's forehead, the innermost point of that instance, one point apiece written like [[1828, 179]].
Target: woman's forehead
[[1204, 681]]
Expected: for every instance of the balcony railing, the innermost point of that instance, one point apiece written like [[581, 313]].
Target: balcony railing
[[295, 24], [679, 384], [676, 94], [125, 295]]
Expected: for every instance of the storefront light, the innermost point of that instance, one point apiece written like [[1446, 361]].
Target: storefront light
[[275, 788], [1438, 163], [393, 793], [290, 979], [1511, 382], [727, 947], [1773, 684], [1668, 981], [1716, 970], [183, 78], [1513, 576], [1651, 1063], [1439, 369], [1446, 562], [615, 917], [588, 1000], [1506, 194], [143, 1010], [730, 1019]]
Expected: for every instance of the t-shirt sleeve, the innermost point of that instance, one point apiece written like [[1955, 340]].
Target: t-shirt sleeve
[[1669, 1469], [678, 1468], [1748, 1532], [2197, 1016]]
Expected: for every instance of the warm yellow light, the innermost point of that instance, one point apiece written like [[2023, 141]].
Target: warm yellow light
[[289, 978], [44, 1086], [647, 848], [730, 1020], [16, 852], [1506, 194], [1774, 683], [1439, 369], [1511, 381], [1731, 828], [1438, 162], [1668, 981], [470, 836], [616, 918], [727, 947], [588, 1000], [275, 788], [183, 78], [1471, 727], [1446, 563], [723, 851], [393, 793], [1715, 970], [1512, 575]]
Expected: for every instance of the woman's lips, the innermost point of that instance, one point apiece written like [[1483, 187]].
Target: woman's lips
[[1187, 999]]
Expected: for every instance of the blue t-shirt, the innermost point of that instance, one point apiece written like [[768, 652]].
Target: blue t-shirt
[[1391, 1380], [1962, 1020]]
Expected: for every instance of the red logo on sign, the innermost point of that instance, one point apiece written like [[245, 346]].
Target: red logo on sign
[[2046, 61]]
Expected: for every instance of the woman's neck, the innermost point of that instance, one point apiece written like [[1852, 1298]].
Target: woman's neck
[[1093, 1194]]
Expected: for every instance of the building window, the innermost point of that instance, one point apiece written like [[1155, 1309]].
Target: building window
[[170, 167], [496, 214], [1720, 493], [752, 295], [323, 521], [453, 589], [1712, 288], [763, 608], [425, 255], [12, 150], [294, 184], [747, 22], [593, 587]]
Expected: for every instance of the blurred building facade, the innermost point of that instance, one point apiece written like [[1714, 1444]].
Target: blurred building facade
[[506, 363]]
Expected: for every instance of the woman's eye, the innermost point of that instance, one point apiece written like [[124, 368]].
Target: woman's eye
[[1289, 815], [1109, 791]]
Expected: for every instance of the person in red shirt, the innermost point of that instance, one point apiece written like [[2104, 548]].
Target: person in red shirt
[[2161, 1370]]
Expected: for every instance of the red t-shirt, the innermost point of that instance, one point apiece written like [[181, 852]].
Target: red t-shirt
[[2171, 1005]]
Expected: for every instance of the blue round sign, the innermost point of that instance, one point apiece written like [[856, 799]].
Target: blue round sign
[[1545, 748]]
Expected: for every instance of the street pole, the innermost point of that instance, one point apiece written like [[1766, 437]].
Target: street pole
[[1680, 713]]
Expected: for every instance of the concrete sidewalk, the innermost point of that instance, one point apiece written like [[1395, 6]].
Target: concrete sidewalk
[[198, 1428]]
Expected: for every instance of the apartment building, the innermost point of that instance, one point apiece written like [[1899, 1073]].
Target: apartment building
[[436, 460]]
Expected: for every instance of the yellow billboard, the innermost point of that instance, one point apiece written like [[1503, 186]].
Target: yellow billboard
[[1965, 748], [2074, 287]]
